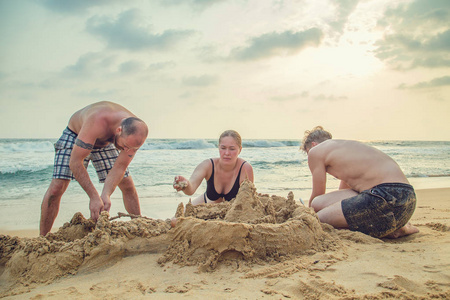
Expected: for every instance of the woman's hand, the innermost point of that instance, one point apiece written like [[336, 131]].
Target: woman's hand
[[180, 183]]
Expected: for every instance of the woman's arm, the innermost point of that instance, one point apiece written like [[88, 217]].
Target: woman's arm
[[190, 186]]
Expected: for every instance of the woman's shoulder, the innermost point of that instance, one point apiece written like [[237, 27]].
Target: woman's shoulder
[[243, 161], [246, 165]]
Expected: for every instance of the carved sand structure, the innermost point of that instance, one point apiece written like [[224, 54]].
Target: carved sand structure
[[264, 238]]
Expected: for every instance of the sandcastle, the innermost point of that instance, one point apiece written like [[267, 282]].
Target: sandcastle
[[250, 228], [79, 245]]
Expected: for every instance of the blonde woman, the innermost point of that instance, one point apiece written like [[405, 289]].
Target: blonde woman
[[223, 175]]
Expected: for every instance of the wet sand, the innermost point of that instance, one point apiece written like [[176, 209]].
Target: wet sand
[[256, 247]]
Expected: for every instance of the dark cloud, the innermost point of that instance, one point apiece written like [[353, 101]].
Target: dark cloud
[[200, 81], [73, 7], [418, 35], [436, 82], [124, 32], [273, 44]]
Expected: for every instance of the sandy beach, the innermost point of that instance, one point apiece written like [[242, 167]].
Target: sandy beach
[[257, 247]]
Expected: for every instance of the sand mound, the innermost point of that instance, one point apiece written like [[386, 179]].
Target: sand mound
[[78, 245], [250, 230]]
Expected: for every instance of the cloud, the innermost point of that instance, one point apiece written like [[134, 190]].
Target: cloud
[[90, 64], [344, 9], [97, 94], [73, 7], [196, 4], [431, 62], [417, 35], [200, 81], [289, 97], [97, 64], [124, 32], [162, 65], [275, 44], [131, 66], [436, 82], [330, 98]]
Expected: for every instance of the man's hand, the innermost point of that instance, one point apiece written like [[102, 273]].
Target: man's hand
[[95, 206], [106, 203]]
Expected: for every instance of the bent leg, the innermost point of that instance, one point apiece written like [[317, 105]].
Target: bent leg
[[333, 215], [50, 204], [328, 199], [130, 196]]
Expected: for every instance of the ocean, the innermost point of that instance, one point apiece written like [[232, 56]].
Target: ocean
[[26, 167]]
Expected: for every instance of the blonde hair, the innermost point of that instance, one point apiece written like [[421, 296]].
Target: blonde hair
[[234, 134], [317, 134]]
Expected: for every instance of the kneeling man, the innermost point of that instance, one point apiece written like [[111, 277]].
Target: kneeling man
[[374, 196], [109, 135]]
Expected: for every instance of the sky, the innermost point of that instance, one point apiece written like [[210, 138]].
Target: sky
[[270, 69]]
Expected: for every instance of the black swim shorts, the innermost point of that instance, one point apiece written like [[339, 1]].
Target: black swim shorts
[[380, 210]]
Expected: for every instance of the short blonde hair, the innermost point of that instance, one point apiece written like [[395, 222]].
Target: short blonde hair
[[317, 134], [234, 134]]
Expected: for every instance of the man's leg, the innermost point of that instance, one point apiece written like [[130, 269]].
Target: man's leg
[[50, 204], [404, 231], [333, 215], [328, 199], [329, 209], [130, 196]]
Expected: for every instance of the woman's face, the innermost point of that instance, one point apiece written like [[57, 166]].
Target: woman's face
[[229, 149]]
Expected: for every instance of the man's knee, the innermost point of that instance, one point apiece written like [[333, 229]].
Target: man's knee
[[56, 189], [317, 204], [127, 185]]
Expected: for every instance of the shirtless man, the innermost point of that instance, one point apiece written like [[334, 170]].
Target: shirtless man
[[374, 196], [109, 135]]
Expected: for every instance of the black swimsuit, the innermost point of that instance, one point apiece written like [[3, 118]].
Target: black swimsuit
[[211, 192]]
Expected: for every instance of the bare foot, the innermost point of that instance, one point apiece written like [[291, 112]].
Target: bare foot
[[404, 231]]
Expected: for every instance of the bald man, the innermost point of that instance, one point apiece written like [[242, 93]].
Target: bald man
[[109, 135]]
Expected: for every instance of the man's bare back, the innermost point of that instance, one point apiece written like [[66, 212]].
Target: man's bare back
[[104, 117], [358, 165], [374, 196]]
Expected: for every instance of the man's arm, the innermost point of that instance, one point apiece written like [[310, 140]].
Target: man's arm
[[319, 174], [115, 175], [92, 128], [344, 186], [82, 148]]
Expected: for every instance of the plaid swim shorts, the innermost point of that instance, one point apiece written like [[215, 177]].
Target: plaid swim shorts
[[380, 210], [103, 159]]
